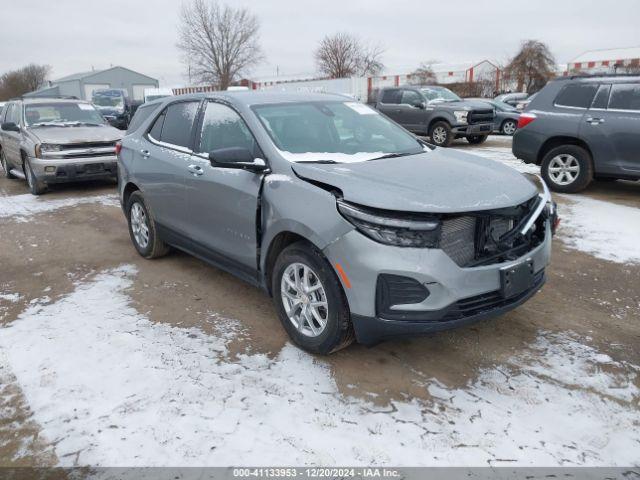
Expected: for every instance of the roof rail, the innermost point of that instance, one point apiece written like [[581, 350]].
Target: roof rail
[[64, 97], [596, 75]]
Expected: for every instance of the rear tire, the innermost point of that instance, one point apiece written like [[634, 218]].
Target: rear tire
[[509, 127], [6, 169], [36, 187], [441, 134], [142, 229], [567, 169], [337, 332], [476, 139]]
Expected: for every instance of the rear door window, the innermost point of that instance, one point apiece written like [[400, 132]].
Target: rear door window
[[156, 129], [391, 95], [177, 128], [577, 95], [625, 96]]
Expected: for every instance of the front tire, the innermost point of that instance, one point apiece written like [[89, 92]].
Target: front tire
[[441, 134], [309, 300], [36, 187], [509, 127], [476, 139], [142, 229], [567, 169], [6, 169]]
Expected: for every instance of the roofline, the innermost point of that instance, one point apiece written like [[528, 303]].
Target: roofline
[[98, 72], [599, 75], [601, 50]]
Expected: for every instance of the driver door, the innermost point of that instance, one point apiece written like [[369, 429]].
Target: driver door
[[223, 202]]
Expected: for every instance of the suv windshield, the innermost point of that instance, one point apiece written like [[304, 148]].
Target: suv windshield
[[439, 94], [108, 98], [334, 132], [62, 113]]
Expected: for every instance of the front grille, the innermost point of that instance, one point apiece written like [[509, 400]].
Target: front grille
[[480, 116], [484, 238], [458, 239], [75, 146]]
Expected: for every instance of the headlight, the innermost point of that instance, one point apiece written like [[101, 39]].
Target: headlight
[[461, 116], [401, 232], [47, 148]]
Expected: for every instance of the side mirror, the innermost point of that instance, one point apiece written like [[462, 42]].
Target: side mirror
[[10, 127], [419, 104], [237, 157]]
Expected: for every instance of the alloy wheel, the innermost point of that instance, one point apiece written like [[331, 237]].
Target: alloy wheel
[[3, 162], [439, 135], [139, 225], [304, 299], [564, 169], [509, 128]]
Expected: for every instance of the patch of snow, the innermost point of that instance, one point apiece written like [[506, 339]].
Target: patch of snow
[[109, 387], [504, 155], [603, 229], [10, 297], [20, 207]]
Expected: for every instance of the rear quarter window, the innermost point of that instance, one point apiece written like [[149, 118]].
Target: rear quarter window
[[578, 95], [142, 113]]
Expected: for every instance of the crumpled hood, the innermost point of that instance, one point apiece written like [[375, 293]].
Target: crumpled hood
[[76, 134], [439, 181]]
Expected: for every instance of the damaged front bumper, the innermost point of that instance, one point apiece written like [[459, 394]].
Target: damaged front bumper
[[52, 171], [398, 291]]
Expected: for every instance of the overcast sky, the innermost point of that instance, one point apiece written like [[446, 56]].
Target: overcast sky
[[78, 35]]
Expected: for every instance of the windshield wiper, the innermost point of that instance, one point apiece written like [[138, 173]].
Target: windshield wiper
[[394, 155], [318, 161]]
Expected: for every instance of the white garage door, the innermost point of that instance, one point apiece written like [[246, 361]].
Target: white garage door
[[90, 87], [138, 91]]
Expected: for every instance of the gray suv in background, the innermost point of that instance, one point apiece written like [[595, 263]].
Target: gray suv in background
[[355, 227], [55, 140], [437, 112], [580, 128]]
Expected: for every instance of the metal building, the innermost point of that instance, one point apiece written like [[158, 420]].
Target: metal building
[[82, 85]]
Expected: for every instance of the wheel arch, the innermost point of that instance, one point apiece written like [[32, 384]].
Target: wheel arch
[[433, 121], [559, 141], [276, 245], [128, 189]]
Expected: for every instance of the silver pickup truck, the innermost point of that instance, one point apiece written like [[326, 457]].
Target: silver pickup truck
[[56, 140]]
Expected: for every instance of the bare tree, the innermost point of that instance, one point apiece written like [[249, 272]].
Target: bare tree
[[343, 55], [24, 80], [423, 75], [218, 42], [532, 66]]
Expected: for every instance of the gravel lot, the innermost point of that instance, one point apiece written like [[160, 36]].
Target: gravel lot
[[109, 359]]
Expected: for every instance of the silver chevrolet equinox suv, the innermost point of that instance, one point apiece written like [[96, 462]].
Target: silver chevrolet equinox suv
[[357, 229], [56, 140]]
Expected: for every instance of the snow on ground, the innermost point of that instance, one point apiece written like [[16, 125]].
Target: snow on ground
[[502, 154], [109, 387], [20, 207], [604, 229]]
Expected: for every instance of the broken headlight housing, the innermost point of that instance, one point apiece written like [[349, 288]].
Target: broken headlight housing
[[47, 148], [403, 230]]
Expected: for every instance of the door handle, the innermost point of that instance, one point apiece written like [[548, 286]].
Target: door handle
[[195, 170], [145, 153], [595, 121]]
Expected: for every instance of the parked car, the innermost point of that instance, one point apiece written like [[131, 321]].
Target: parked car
[[521, 105], [580, 128], [506, 121], [436, 112], [511, 98], [115, 105], [355, 227], [151, 94], [53, 140]]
